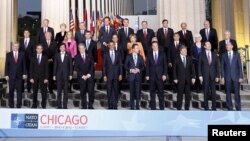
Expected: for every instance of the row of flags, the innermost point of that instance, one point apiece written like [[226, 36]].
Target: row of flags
[[96, 21]]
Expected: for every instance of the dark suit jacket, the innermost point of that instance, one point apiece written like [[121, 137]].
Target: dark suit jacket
[[39, 71], [173, 52], [234, 71], [112, 71], [181, 73], [92, 50], [120, 50], [162, 40], [50, 50], [62, 70], [156, 71], [29, 51], [208, 72], [41, 36], [145, 43], [106, 37], [129, 64], [59, 38], [222, 46], [15, 70], [84, 68], [123, 39], [79, 37], [213, 38], [188, 40]]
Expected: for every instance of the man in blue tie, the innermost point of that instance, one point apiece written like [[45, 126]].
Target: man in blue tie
[[156, 73], [232, 76], [134, 65], [112, 73]]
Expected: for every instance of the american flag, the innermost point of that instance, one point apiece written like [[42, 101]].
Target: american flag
[[71, 22]]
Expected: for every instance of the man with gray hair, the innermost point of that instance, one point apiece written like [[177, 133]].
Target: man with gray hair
[[227, 39]]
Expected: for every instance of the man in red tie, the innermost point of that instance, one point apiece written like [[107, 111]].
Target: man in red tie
[[208, 69], [84, 65], [15, 72], [186, 36]]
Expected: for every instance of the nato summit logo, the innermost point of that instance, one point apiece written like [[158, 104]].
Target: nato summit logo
[[24, 121]]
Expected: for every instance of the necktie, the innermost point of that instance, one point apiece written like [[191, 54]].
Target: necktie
[[184, 61], [126, 31], [230, 57], [209, 58], [15, 57], [135, 59], [107, 29], [48, 42], [165, 33], [207, 34], [87, 45], [26, 43], [83, 58], [145, 34], [156, 58], [184, 33], [176, 44], [112, 57], [39, 58]]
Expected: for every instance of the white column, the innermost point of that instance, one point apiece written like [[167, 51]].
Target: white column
[[80, 10], [107, 8], [110, 8], [87, 3], [176, 11], [56, 14], [98, 4], [102, 3]]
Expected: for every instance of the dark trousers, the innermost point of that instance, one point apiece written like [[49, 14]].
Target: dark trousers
[[230, 84], [209, 89], [62, 85], [112, 92], [154, 85], [28, 84], [134, 87], [39, 83], [15, 84], [197, 84], [51, 81], [183, 87], [86, 86]]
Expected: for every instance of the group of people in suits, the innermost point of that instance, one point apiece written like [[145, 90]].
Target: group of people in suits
[[173, 56]]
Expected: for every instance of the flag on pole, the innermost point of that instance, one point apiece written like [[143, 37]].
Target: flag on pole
[[92, 23], [71, 22], [77, 21], [85, 15]]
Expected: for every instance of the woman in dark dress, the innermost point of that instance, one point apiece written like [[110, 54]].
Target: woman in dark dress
[[60, 36]]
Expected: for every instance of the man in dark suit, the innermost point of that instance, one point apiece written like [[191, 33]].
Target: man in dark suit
[[232, 76], [209, 34], [145, 36], [15, 72], [112, 73], [90, 46], [42, 30], [134, 65], [208, 69], [156, 73], [80, 33], [105, 34], [39, 73], [123, 35], [223, 43], [84, 65], [62, 75], [174, 51], [184, 75], [165, 36], [27, 45], [186, 36], [49, 50]]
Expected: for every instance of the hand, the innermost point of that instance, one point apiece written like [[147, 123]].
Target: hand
[[24, 77], [7, 78], [222, 81], [147, 77], [45, 81], [170, 65], [54, 78], [164, 77], [120, 77], [105, 79], [105, 44], [193, 81], [50, 60], [240, 80], [84, 77], [175, 81], [137, 70], [216, 79], [201, 79], [70, 77], [32, 81]]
